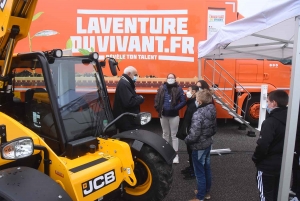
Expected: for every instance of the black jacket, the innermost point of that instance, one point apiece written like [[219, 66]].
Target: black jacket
[[297, 143], [126, 100], [268, 153], [187, 119]]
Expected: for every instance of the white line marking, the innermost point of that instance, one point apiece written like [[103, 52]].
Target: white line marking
[[132, 12], [233, 5], [175, 58]]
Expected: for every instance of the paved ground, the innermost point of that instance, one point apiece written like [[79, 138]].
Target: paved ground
[[233, 175]]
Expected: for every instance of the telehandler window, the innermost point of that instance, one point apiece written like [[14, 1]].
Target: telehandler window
[[79, 97]]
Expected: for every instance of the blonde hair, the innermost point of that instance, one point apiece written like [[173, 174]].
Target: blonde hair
[[205, 96]]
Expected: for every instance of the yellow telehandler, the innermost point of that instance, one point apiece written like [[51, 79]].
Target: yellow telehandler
[[58, 139]]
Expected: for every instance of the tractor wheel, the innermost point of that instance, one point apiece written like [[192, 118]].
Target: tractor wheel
[[154, 176], [252, 111]]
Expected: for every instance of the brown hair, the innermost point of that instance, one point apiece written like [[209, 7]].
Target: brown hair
[[204, 84], [171, 74], [204, 96], [280, 97]]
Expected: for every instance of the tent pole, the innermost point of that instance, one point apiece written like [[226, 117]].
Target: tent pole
[[292, 118], [199, 69], [263, 105]]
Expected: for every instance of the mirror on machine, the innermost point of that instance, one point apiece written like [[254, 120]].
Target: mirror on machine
[[113, 65], [143, 118], [17, 148]]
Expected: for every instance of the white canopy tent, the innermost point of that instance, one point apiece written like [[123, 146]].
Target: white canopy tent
[[273, 33], [267, 34]]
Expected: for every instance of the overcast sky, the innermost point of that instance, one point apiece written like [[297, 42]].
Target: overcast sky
[[249, 7]]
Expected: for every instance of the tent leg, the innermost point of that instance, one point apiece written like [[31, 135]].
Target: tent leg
[[292, 118], [263, 105]]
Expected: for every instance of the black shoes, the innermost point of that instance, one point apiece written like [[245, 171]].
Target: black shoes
[[186, 170], [189, 176], [188, 173]]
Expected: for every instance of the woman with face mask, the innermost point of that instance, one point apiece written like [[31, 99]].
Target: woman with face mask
[[202, 84], [168, 101], [185, 126]]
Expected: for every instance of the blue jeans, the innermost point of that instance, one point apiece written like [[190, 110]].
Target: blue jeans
[[201, 162]]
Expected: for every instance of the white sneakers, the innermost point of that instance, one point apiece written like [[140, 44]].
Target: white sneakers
[[176, 159]]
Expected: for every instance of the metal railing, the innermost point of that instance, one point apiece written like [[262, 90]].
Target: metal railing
[[229, 83]]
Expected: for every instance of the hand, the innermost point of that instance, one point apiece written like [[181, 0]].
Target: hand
[[142, 98]]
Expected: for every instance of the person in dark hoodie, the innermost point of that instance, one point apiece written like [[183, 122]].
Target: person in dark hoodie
[[185, 127], [268, 152], [296, 162], [126, 100], [168, 101]]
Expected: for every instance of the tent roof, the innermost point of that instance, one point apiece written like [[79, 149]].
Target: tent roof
[[267, 34]]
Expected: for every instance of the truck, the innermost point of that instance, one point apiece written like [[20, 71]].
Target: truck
[[156, 38], [58, 139]]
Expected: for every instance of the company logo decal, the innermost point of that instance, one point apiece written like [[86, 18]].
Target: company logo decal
[[98, 182], [135, 34], [2, 4]]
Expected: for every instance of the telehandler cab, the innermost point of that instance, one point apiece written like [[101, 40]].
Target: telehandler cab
[[58, 140]]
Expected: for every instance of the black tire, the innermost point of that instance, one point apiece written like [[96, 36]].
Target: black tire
[[161, 172], [252, 110]]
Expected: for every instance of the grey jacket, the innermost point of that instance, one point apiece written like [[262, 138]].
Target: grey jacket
[[203, 127]]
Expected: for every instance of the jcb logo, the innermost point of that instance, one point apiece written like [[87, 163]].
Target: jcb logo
[[97, 183], [2, 4]]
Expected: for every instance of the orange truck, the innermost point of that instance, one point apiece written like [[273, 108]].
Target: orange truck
[[156, 37]]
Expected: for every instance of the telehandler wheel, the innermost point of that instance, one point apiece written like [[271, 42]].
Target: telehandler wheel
[[154, 176], [252, 112]]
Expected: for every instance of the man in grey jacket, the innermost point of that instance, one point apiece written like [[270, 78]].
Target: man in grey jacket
[[203, 127]]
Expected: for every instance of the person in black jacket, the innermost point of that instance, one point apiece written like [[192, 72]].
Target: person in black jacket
[[126, 100], [296, 162], [268, 152], [185, 126]]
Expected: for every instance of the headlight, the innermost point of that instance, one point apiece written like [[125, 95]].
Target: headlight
[[145, 117], [57, 53], [94, 55], [16, 149]]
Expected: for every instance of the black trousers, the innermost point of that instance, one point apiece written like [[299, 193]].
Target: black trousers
[[296, 176], [268, 185], [189, 150]]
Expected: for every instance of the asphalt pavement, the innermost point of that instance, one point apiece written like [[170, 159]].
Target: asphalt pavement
[[233, 174]]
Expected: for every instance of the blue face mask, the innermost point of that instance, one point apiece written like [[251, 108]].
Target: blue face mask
[[197, 104], [269, 110], [134, 78]]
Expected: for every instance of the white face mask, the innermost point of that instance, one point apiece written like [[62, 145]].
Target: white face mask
[[197, 104], [200, 89], [189, 94], [171, 81]]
